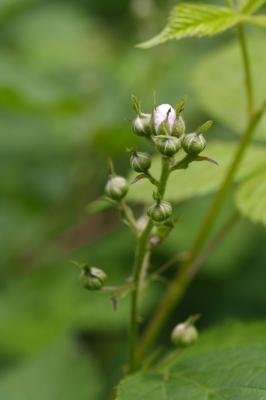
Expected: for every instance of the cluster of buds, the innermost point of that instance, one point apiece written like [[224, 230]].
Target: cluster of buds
[[164, 128], [167, 128]]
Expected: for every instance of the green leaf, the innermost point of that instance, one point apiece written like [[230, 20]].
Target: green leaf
[[61, 372], [202, 177], [250, 6], [221, 93], [233, 373], [251, 197], [194, 19], [226, 334]]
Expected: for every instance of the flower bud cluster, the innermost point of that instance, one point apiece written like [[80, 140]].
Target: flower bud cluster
[[167, 127]]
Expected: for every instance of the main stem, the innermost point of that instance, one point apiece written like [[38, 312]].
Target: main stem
[[182, 279], [141, 263]]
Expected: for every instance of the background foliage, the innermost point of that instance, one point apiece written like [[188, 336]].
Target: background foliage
[[67, 70]]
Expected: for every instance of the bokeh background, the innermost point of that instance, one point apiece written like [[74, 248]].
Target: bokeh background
[[67, 70]]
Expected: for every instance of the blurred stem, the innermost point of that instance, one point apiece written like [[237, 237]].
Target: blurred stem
[[246, 64], [141, 260], [129, 217], [179, 284]]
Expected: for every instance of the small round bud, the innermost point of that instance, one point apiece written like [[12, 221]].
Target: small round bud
[[116, 187], [179, 127], [141, 125], [168, 145], [193, 143], [184, 334], [92, 278], [164, 117], [160, 211], [140, 162]]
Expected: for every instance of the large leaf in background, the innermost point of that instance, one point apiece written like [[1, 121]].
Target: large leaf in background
[[251, 197], [62, 372], [223, 374], [199, 19], [202, 177], [218, 82]]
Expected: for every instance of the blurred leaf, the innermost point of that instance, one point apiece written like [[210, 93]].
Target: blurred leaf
[[61, 372], [228, 333], [251, 197], [222, 95], [237, 372], [250, 6], [194, 19], [40, 305], [201, 178]]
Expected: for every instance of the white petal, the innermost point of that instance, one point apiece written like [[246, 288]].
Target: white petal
[[161, 113]]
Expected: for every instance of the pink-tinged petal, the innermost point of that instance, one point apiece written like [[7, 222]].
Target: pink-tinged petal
[[160, 114]]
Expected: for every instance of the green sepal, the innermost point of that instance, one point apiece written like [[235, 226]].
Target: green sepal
[[204, 127], [156, 197], [136, 104], [180, 105]]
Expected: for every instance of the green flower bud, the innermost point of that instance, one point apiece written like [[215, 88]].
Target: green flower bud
[[92, 278], [168, 145], [116, 187], [193, 143], [142, 125], [184, 334], [140, 162], [160, 211], [178, 127]]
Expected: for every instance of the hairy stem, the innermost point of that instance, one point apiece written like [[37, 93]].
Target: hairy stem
[[164, 176]]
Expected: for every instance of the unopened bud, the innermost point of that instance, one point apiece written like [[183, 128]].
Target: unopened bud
[[193, 143], [168, 145], [140, 162], [179, 127], [160, 211], [116, 187], [185, 333], [142, 125], [92, 278]]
